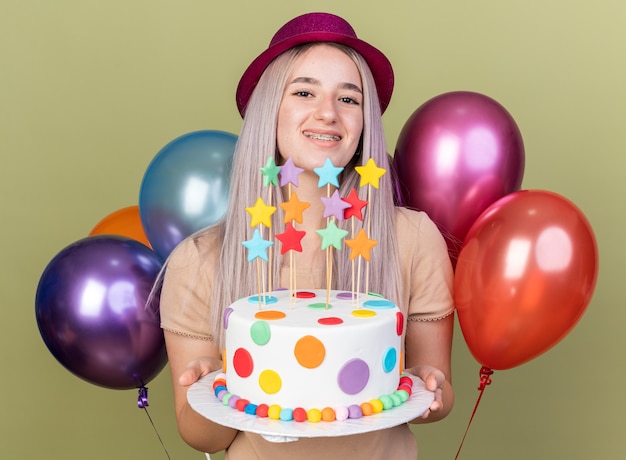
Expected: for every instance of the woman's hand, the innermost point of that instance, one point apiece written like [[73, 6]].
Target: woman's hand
[[434, 381], [197, 369]]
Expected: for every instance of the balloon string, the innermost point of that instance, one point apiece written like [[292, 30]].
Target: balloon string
[[142, 403], [485, 379]]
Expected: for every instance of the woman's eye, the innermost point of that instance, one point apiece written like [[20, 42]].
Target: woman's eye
[[303, 93], [349, 100]]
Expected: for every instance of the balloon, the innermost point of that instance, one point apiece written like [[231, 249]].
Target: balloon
[[524, 277], [90, 309], [185, 187], [123, 222], [457, 154]]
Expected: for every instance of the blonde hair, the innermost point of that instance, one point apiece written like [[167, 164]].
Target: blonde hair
[[236, 277]]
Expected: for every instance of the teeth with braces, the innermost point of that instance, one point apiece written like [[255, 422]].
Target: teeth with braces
[[323, 137]]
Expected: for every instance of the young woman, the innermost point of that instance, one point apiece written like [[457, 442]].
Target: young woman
[[317, 92]]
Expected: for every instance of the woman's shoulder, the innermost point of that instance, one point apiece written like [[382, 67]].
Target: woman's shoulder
[[411, 217], [415, 225], [204, 245]]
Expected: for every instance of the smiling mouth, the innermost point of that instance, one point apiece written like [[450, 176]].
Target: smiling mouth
[[322, 137]]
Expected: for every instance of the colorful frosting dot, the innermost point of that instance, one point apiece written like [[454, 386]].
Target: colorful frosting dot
[[377, 405], [399, 323], [251, 409], [328, 414], [347, 295], [363, 313], [265, 300], [407, 388], [314, 415], [305, 295], [381, 304], [227, 314], [270, 315], [319, 306], [330, 321], [262, 410], [270, 382], [286, 415], [395, 399], [274, 412], [402, 394], [367, 409], [242, 404], [354, 411], [387, 402], [390, 359], [242, 362], [299, 414], [353, 376], [260, 332], [341, 413], [232, 401], [309, 352]]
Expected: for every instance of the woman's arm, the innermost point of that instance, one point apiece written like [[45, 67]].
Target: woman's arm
[[189, 360], [428, 347]]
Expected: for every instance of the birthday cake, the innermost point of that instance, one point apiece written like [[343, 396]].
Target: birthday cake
[[312, 355], [305, 359]]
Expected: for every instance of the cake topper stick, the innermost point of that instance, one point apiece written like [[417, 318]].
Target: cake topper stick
[[291, 238], [270, 178], [260, 215], [289, 176], [370, 175], [328, 175], [257, 249], [354, 211]]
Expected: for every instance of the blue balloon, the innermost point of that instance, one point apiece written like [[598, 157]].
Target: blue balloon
[[185, 187], [91, 311]]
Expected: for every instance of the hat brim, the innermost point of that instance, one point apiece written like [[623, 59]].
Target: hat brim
[[378, 63]]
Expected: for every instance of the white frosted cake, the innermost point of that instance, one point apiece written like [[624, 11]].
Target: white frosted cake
[[306, 359]]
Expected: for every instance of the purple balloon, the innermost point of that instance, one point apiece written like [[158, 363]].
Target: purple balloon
[[90, 309], [456, 155]]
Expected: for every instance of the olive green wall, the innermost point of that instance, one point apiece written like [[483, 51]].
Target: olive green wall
[[91, 90]]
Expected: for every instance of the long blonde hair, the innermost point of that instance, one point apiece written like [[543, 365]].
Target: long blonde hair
[[257, 142]]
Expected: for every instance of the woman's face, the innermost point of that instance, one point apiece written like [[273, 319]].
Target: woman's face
[[321, 112]]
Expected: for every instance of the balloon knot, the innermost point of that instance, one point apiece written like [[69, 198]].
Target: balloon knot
[[142, 400], [485, 377]]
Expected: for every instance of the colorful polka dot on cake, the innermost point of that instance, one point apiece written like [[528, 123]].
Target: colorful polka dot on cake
[[270, 382], [353, 376], [242, 362], [260, 332], [309, 352]]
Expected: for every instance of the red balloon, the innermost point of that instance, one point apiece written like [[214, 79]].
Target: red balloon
[[524, 277], [457, 154], [123, 222]]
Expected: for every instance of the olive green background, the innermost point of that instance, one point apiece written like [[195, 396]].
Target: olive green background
[[91, 90]]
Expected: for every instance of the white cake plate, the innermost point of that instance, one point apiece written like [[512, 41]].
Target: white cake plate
[[202, 399]]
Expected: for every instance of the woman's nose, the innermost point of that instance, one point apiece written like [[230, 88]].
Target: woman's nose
[[326, 110]]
